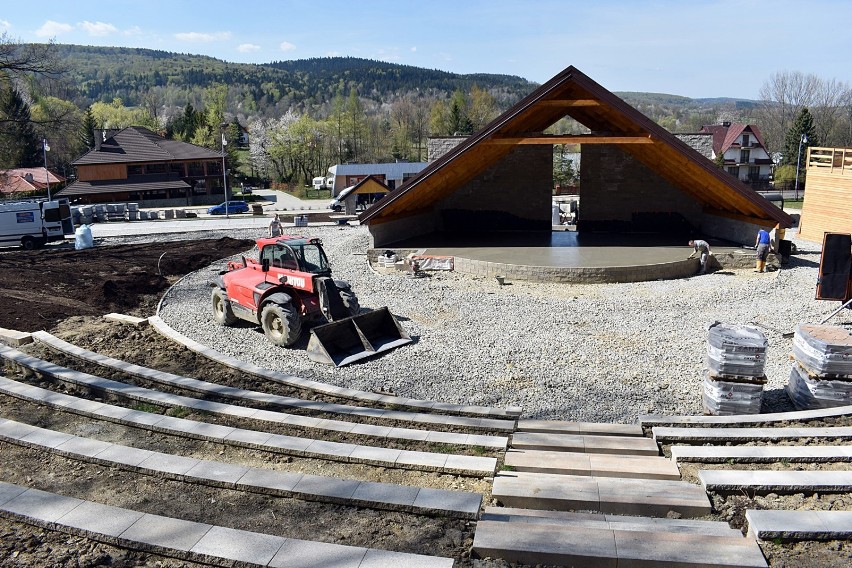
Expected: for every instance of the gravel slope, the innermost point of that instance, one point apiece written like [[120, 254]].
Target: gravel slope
[[592, 352]]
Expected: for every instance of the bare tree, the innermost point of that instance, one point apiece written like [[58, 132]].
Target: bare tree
[[830, 112], [18, 58], [783, 96]]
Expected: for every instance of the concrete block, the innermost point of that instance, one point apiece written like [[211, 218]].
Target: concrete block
[[543, 544], [761, 454], [47, 438], [306, 554], [424, 460], [238, 545], [385, 494], [124, 455], [15, 338], [590, 428], [472, 465], [8, 491], [328, 488], [799, 525], [84, 446], [387, 559], [249, 438], [164, 532], [337, 449], [167, 463], [657, 548], [776, 481], [223, 474], [463, 504], [275, 482], [545, 491], [126, 319], [100, 519], [372, 454], [41, 505]]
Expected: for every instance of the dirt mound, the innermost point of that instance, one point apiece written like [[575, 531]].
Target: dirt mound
[[41, 288]]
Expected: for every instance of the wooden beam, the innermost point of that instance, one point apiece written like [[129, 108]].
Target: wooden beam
[[567, 139], [562, 103]]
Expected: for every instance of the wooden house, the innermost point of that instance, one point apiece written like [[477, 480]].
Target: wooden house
[[135, 164]]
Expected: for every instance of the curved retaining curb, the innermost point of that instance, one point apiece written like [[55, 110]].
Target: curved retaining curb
[[367, 494], [187, 540], [342, 392]]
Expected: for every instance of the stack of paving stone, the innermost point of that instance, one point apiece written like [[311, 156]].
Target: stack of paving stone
[[736, 356], [821, 376]]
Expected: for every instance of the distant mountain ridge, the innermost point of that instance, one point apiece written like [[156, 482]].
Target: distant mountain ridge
[[106, 73]]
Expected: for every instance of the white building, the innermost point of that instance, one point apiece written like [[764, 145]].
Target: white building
[[392, 174], [744, 152]]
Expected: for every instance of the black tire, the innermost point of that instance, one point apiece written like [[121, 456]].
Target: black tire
[[222, 312], [350, 300], [29, 243], [281, 324]]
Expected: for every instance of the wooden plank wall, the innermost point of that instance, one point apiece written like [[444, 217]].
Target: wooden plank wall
[[827, 207], [102, 172]]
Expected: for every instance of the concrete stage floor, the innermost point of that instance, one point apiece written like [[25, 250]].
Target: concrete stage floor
[[562, 248]]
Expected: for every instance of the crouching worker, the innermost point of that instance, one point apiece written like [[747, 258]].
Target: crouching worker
[[702, 248], [762, 244]]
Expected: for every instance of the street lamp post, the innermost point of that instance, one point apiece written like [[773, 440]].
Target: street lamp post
[[44, 149], [224, 171], [802, 139]]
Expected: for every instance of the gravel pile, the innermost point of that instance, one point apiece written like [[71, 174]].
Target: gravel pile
[[591, 352]]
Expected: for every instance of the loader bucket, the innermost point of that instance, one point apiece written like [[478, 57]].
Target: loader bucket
[[351, 339]]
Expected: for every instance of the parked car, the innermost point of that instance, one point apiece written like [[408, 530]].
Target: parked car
[[231, 206], [247, 189]]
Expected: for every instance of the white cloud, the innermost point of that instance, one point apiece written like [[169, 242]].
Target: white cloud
[[202, 37], [247, 47], [5, 26], [414, 49], [51, 28], [134, 31], [98, 28], [287, 46]]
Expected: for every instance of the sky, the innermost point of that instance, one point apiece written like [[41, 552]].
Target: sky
[[693, 48]]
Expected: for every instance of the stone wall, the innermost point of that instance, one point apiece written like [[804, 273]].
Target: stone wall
[[513, 194], [437, 147], [619, 193]]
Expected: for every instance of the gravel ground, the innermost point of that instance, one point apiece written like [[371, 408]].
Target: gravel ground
[[590, 352]]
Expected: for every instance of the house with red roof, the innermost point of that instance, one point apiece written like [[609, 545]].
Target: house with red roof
[[744, 152], [28, 181]]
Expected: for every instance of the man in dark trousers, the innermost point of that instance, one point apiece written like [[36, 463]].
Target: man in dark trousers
[[702, 248]]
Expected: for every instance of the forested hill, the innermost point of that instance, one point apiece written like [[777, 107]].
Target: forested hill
[[105, 73]]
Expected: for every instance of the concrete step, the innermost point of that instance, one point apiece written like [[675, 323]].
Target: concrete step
[[572, 546], [600, 465], [187, 540], [244, 395], [761, 454], [369, 397], [646, 497], [631, 445], [651, 420], [605, 521], [763, 481], [587, 428], [799, 525], [670, 435], [477, 466], [459, 504]]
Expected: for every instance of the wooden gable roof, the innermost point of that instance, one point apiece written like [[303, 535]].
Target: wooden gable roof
[[138, 144], [611, 121]]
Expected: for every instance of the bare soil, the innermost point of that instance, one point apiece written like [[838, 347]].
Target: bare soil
[[66, 291]]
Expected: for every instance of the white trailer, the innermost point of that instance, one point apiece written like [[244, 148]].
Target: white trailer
[[33, 223]]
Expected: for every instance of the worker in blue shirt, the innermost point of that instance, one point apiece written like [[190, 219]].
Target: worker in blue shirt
[[762, 245]]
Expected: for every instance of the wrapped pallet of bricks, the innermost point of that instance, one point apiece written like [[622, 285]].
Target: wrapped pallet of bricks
[[736, 357], [821, 376]]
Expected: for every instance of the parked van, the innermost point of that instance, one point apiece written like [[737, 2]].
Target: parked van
[[323, 183], [33, 223]]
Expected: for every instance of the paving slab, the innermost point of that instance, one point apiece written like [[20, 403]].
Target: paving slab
[[650, 497], [385, 493], [673, 549], [764, 481], [630, 445], [9, 491], [15, 338], [591, 428], [663, 434], [799, 525], [376, 558], [84, 446], [41, 505], [238, 545], [167, 463], [545, 544], [98, 518], [651, 420], [761, 454], [609, 521], [465, 504], [126, 319], [306, 554], [602, 465], [165, 532], [225, 474], [281, 482]]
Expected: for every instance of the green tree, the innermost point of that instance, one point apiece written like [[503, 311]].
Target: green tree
[[483, 108], [20, 146], [800, 135], [459, 121], [87, 132]]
